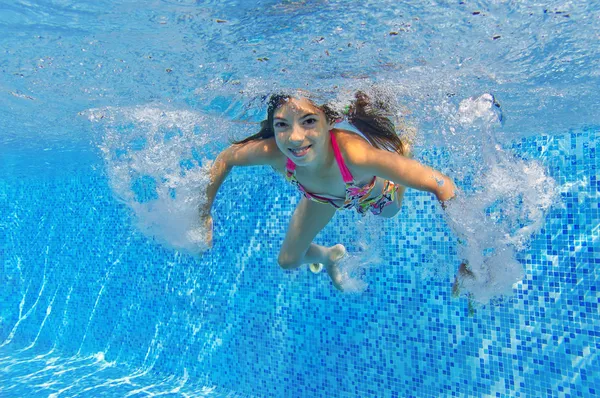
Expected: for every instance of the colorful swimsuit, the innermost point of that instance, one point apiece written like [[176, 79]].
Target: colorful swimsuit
[[357, 197]]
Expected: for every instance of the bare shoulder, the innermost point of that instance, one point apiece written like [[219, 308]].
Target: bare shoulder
[[354, 147], [257, 152], [277, 159]]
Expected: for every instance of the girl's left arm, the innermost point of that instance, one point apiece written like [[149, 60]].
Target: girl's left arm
[[401, 170]]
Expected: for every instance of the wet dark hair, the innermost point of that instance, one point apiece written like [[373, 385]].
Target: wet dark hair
[[370, 117]]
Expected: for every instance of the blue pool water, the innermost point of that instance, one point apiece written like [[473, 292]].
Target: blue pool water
[[111, 113]]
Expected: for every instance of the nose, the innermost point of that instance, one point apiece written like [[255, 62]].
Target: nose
[[297, 135]]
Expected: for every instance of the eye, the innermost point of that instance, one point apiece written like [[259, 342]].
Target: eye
[[310, 121], [279, 125]]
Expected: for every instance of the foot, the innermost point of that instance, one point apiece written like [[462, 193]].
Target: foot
[[336, 253], [463, 273]]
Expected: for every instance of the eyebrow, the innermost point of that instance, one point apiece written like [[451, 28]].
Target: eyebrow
[[308, 114]]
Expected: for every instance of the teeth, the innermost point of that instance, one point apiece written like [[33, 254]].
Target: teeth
[[299, 150]]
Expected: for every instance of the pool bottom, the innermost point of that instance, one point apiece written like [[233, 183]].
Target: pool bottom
[[34, 373], [234, 319]]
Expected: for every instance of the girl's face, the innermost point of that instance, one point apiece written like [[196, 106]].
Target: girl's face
[[301, 130]]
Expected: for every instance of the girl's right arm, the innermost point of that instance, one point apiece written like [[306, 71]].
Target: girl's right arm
[[259, 152]]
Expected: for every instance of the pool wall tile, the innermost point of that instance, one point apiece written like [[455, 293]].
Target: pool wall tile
[[78, 277]]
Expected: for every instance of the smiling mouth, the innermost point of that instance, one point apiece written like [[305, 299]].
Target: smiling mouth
[[299, 152]]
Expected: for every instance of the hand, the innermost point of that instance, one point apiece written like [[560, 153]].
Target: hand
[[208, 226], [201, 236]]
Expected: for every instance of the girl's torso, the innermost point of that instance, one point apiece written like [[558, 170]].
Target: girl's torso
[[328, 183], [361, 191]]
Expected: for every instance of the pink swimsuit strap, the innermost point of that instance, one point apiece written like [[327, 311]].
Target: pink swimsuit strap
[[357, 197], [346, 175]]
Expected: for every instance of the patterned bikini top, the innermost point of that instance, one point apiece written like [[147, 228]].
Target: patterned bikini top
[[357, 197]]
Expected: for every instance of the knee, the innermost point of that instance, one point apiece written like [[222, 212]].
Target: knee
[[286, 261]]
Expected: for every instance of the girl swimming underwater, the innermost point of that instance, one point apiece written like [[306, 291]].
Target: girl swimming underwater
[[333, 168]]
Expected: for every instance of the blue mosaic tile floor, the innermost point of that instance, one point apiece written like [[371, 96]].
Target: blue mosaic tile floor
[[79, 279]]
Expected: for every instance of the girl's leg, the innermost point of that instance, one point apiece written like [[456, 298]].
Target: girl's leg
[[308, 220]]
